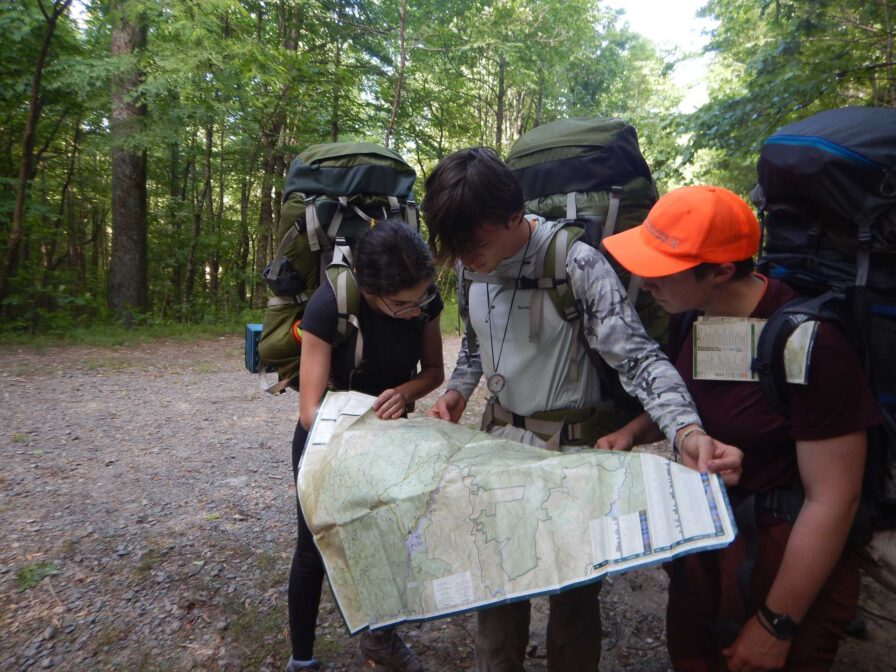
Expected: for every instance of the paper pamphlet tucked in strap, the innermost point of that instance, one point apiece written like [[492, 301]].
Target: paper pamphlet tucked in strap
[[724, 349]]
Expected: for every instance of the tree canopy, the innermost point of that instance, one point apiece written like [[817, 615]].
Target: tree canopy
[[220, 95]]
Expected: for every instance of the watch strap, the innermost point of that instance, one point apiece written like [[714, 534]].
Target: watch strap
[[780, 626]]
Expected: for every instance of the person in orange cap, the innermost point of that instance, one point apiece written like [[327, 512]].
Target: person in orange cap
[[695, 253]]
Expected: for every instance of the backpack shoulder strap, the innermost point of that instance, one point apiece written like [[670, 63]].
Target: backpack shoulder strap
[[769, 361], [348, 297], [552, 265]]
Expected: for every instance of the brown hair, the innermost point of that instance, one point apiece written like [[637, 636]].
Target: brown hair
[[742, 269], [467, 189]]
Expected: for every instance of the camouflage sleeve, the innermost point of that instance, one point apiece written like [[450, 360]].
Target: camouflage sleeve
[[615, 332], [468, 368]]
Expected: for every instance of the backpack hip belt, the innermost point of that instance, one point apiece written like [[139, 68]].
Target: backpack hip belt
[[572, 426], [297, 300]]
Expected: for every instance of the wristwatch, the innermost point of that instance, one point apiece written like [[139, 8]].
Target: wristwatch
[[781, 626]]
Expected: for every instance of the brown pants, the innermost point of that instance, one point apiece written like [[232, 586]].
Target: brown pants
[[704, 592], [573, 633]]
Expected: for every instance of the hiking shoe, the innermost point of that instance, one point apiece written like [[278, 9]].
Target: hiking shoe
[[857, 628], [300, 665], [385, 648]]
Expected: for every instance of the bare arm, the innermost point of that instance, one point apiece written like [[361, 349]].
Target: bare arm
[[314, 373], [831, 472], [639, 430]]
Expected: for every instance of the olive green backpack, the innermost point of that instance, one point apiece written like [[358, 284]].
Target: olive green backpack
[[333, 193], [590, 170], [587, 175]]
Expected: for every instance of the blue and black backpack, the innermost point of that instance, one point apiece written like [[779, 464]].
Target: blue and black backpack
[[826, 196]]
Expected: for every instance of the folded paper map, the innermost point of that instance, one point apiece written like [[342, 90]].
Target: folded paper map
[[418, 519]]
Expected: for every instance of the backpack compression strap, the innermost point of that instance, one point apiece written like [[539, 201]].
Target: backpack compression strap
[[609, 227], [318, 239], [348, 298]]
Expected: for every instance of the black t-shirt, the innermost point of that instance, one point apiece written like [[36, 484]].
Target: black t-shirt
[[392, 346]]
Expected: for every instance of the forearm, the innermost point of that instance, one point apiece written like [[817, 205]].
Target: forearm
[[813, 549], [467, 369], [613, 329], [642, 429]]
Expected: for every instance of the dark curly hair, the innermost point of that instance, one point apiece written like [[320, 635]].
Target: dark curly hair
[[466, 189], [391, 257]]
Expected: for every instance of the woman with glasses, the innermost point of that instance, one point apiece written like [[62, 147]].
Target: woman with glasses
[[400, 306]]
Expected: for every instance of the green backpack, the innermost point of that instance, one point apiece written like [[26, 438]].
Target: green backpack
[[590, 170], [333, 193]]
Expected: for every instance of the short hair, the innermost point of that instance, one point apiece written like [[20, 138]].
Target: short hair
[[391, 257], [467, 189], [742, 269]]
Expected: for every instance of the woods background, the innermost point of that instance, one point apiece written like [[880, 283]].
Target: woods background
[[144, 143]]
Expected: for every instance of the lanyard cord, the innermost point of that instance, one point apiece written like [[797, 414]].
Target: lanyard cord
[[512, 300]]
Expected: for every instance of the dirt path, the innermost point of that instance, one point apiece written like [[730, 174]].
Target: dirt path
[[147, 521]]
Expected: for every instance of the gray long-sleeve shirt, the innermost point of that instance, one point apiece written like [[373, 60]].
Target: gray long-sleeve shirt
[[538, 374]]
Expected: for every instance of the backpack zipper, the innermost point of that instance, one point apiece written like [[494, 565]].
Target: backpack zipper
[[826, 146]]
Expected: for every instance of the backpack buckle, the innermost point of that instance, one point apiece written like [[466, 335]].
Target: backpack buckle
[[864, 237], [888, 184]]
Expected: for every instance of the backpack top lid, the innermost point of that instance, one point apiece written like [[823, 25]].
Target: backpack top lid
[[349, 169], [843, 159], [578, 154]]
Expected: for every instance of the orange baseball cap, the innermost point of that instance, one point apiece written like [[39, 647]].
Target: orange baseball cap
[[685, 228]]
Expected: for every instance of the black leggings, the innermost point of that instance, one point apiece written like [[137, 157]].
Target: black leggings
[[306, 576]]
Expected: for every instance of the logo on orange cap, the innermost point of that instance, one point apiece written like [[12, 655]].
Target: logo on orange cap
[[687, 227]]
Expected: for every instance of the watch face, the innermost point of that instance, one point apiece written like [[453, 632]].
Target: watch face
[[782, 624]]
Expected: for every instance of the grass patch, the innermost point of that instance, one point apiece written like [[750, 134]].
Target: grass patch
[[448, 320], [148, 560], [260, 634], [19, 438], [271, 570], [106, 334], [31, 575]]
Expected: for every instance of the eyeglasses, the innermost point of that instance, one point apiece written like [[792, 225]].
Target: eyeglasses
[[420, 303]]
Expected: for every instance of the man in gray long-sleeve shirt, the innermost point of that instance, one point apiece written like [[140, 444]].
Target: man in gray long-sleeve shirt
[[544, 388]]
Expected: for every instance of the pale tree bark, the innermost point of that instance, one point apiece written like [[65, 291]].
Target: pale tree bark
[[272, 164], [889, 53], [200, 207], [399, 79], [265, 207], [128, 273], [499, 113], [29, 136]]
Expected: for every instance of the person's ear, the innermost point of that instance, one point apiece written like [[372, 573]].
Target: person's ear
[[722, 273]]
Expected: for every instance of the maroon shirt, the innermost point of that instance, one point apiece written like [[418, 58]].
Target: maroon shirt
[[837, 401]]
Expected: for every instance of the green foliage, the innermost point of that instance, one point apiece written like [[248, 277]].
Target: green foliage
[[31, 575], [233, 89], [782, 60]]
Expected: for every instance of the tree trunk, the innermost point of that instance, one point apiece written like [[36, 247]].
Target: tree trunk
[[499, 113], [14, 239], [399, 80], [128, 273], [890, 72], [203, 202], [334, 113], [265, 208]]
